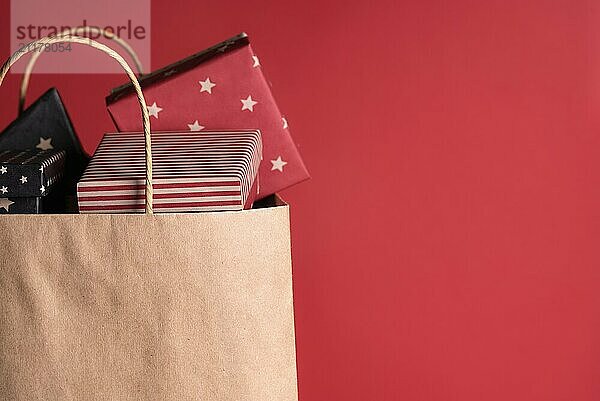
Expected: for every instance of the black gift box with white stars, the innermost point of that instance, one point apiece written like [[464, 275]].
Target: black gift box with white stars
[[21, 205], [45, 125], [27, 177]]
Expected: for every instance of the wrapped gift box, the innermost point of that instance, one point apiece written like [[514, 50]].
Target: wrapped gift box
[[45, 125], [31, 205], [220, 88], [30, 173], [192, 171]]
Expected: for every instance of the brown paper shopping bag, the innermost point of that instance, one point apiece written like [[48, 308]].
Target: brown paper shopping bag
[[146, 307]]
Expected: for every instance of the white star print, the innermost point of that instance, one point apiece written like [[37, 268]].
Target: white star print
[[195, 126], [154, 110], [3, 169], [207, 85], [45, 144], [278, 164], [42, 189], [248, 103], [5, 203], [256, 62], [285, 123], [23, 179], [4, 190]]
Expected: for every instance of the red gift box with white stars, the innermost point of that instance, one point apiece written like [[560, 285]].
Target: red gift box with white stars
[[220, 88]]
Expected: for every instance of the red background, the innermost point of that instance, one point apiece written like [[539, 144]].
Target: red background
[[447, 246]]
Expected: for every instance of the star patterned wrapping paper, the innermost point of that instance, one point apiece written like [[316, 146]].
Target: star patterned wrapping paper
[[31, 205], [192, 172], [220, 88], [45, 125], [27, 178], [30, 173]]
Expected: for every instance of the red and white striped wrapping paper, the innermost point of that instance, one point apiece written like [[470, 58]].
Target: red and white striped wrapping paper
[[192, 172]]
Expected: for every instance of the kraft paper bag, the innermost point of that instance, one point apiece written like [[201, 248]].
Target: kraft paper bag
[[146, 307], [136, 307]]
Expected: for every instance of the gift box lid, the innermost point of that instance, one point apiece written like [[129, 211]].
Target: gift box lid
[[206, 171], [30, 173], [220, 88], [186, 64]]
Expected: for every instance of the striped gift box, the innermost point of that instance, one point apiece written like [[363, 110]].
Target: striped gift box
[[192, 172]]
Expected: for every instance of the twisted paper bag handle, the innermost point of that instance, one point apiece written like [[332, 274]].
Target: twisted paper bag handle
[[99, 46], [79, 31]]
